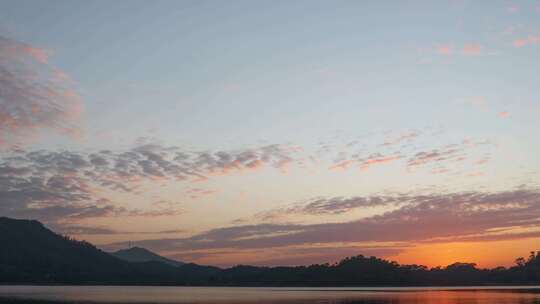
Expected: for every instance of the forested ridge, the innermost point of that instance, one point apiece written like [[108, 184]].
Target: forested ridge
[[31, 253]]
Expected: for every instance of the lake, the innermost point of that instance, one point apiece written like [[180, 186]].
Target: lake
[[281, 295]]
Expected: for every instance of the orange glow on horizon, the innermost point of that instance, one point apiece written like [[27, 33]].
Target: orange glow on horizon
[[484, 254]]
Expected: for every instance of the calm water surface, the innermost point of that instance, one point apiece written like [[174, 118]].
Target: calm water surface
[[223, 295]]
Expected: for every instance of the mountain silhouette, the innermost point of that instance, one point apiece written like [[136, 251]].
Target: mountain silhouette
[[138, 254], [29, 252], [32, 254]]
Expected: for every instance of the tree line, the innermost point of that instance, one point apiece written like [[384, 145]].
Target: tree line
[[31, 253]]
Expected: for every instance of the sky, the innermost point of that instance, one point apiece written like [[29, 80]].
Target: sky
[[276, 132]]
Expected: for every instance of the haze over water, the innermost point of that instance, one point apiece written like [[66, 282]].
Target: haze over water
[[209, 295]]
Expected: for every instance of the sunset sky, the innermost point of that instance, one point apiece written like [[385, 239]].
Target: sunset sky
[[276, 132]]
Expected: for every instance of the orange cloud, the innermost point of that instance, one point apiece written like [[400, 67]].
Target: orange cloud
[[504, 114], [256, 164], [472, 49], [425, 220], [284, 165], [445, 49]]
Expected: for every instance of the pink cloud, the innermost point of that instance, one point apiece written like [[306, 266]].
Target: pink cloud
[[513, 8], [529, 40], [520, 43], [378, 160], [38, 54], [34, 97], [472, 49], [444, 49], [342, 165], [61, 76]]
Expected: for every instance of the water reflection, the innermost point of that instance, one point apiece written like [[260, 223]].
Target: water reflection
[[220, 295], [449, 297]]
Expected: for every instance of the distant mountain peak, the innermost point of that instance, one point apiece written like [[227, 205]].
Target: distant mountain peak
[[140, 254]]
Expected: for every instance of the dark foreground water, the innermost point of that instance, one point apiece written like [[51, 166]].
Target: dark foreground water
[[223, 295]]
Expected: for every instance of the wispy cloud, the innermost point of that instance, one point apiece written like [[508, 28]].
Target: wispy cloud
[[513, 8], [377, 158], [472, 49], [445, 49], [196, 193], [401, 151], [409, 136], [74, 229], [422, 158], [34, 95], [342, 165], [452, 50], [421, 218], [504, 114], [482, 103], [529, 40], [332, 206]]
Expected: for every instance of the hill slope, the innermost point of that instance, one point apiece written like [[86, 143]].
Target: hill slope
[[30, 252], [138, 254]]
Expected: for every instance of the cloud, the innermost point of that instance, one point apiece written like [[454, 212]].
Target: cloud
[[472, 49], [82, 230], [117, 170], [421, 218], [12, 49], [400, 150], [196, 193], [436, 155], [365, 163], [38, 54], [378, 159], [504, 114], [452, 153], [74, 229], [343, 165], [401, 138], [513, 8], [445, 49], [33, 96], [450, 50], [331, 206], [529, 40], [56, 186]]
